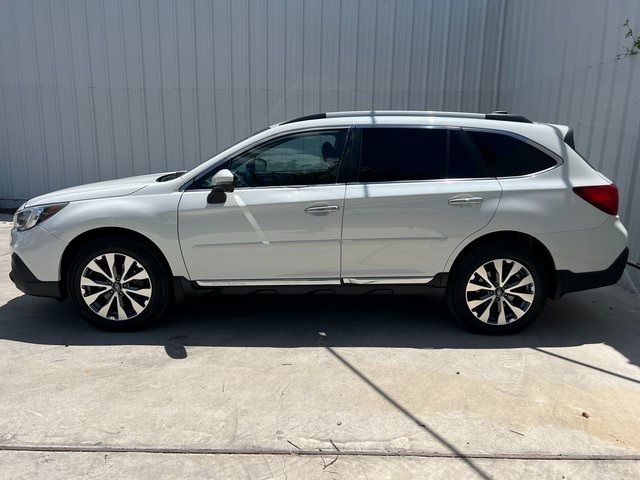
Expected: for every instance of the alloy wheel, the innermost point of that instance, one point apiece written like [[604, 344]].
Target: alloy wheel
[[500, 291], [116, 286]]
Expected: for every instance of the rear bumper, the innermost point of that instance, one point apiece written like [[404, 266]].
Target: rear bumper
[[568, 281], [27, 282]]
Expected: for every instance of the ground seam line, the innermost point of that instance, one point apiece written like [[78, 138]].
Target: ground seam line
[[312, 453]]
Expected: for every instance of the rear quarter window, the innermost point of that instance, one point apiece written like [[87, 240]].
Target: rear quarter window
[[509, 156]]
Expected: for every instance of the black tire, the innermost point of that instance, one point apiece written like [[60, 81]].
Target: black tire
[[466, 268], [158, 276]]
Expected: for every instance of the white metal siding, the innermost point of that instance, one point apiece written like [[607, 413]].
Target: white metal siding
[[559, 65], [93, 90]]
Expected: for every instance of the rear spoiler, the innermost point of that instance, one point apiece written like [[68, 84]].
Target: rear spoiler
[[565, 133]]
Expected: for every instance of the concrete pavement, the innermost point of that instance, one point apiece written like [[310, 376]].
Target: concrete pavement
[[240, 387]]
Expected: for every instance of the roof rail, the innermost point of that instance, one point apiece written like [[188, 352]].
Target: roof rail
[[315, 116], [497, 115], [404, 113], [507, 117]]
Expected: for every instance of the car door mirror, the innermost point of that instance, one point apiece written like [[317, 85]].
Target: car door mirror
[[221, 183]]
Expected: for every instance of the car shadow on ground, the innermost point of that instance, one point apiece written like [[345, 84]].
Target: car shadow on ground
[[314, 320]]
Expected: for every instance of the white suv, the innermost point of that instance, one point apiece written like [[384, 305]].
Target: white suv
[[491, 211]]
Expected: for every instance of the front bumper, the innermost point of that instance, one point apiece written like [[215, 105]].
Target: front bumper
[[40, 251], [568, 281], [27, 282]]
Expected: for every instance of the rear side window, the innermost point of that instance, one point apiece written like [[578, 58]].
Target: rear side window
[[508, 156], [395, 154]]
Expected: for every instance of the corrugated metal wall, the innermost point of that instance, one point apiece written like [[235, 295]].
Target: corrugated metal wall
[[559, 65], [95, 89]]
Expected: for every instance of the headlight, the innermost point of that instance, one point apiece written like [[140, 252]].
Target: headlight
[[26, 218]]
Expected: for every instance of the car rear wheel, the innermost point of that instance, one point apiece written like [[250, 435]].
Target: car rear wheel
[[497, 289], [118, 284]]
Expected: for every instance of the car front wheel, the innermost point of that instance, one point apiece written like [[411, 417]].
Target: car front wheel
[[117, 284]]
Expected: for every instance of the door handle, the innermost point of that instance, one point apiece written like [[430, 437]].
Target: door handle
[[321, 209], [465, 200]]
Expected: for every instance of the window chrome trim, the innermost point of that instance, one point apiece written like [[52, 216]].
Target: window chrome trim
[[433, 180], [245, 189], [410, 125]]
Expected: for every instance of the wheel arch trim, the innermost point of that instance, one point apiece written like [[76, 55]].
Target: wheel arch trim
[[102, 232], [526, 240]]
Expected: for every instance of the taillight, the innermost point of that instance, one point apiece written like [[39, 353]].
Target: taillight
[[604, 197]]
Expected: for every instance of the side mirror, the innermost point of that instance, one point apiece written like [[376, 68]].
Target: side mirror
[[222, 182]]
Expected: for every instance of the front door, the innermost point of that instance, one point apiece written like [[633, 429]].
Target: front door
[[420, 192], [282, 224]]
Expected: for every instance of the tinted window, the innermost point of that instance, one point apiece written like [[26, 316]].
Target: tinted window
[[391, 154], [301, 159], [464, 163], [508, 156]]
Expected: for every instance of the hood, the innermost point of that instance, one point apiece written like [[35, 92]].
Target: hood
[[110, 188]]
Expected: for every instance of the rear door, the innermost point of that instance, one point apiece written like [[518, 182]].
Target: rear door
[[419, 192]]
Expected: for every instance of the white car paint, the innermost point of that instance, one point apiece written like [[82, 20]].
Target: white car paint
[[409, 229], [262, 233]]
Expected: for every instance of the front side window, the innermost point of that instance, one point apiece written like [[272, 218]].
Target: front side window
[[300, 159], [508, 156], [411, 154]]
